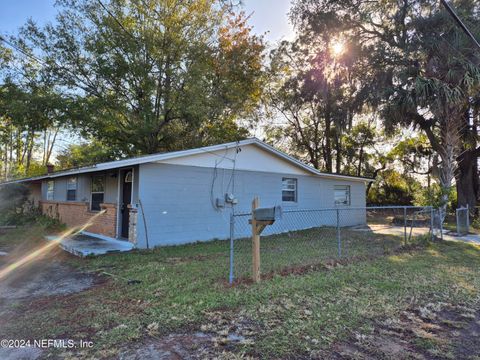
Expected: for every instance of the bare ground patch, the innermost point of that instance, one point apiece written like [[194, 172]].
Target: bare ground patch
[[54, 278], [436, 331], [44, 282], [42, 276], [225, 335]]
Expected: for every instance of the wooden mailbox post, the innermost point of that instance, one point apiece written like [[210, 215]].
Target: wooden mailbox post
[[257, 228]]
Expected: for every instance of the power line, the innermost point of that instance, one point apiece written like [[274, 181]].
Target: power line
[[19, 49], [117, 21], [455, 17], [45, 64], [137, 41]]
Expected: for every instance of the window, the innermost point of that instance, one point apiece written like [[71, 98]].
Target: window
[[341, 194], [50, 189], [72, 189], [289, 189], [98, 191]]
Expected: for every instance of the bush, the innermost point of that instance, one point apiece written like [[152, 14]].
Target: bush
[[13, 197], [434, 195], [17, 209], [13, 204], [392, 188]]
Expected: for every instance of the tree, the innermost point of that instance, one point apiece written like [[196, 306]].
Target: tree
[[33, 111], [359, 150], [93, 152], [154, 75], [427, 73], [416, 156], [393, 188], [318, 87], [31, 115]]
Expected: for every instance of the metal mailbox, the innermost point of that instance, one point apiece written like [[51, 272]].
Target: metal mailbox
[[268, 214]]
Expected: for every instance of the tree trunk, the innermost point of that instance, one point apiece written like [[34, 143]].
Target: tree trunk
[[467, 179], [360, 161], [338, 149], [50, 146], [328, 143], [374, 176], [29, 150], [448, 154], [467, 170]]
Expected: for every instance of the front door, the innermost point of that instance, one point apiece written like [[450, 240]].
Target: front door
[[126, 200]]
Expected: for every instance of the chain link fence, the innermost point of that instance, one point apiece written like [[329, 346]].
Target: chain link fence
[[302, 239]]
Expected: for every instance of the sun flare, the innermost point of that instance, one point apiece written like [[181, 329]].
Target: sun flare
[[34, 255], [337, 47]]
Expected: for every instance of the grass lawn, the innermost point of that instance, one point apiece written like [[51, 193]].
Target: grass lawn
[[184, 290], [306, 248]]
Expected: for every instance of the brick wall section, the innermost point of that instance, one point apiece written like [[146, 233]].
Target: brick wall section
[[78, 214]]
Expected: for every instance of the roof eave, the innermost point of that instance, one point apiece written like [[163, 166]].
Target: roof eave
[[309, 168], [118, 164]]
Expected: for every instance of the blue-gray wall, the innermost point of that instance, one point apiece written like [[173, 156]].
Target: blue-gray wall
[[83, 187], [178, 207]]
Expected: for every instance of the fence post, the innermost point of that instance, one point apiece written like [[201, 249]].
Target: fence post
[[339, 239], [255, 244], [232, 234], [405, 225]]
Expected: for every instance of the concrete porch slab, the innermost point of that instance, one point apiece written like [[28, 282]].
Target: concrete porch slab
[[85, 245]]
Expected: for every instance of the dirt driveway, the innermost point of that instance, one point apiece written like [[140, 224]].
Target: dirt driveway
[[43, 278]]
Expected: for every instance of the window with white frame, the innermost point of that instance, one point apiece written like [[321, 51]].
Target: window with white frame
[[50, 189], [98, 192], [341, 194], [72, 188], [289, 189]]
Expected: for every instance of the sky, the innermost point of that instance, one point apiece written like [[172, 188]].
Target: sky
[[268, 17]]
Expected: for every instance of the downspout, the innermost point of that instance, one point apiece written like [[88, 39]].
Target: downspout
[[144, 221]]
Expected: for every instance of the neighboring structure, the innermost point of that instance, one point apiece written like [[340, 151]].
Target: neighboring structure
[[187, 196]]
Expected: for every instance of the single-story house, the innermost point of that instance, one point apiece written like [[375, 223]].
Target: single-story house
[[188, 196]]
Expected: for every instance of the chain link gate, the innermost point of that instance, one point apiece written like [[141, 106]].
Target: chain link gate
[[462, 216]]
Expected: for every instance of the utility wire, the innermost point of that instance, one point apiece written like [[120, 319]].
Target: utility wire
[[33, 57], [117, 21], [45, 64], [19, 49], [455, 17]]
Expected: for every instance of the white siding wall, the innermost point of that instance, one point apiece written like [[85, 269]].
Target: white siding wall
[[250, 157], [178, 205]]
